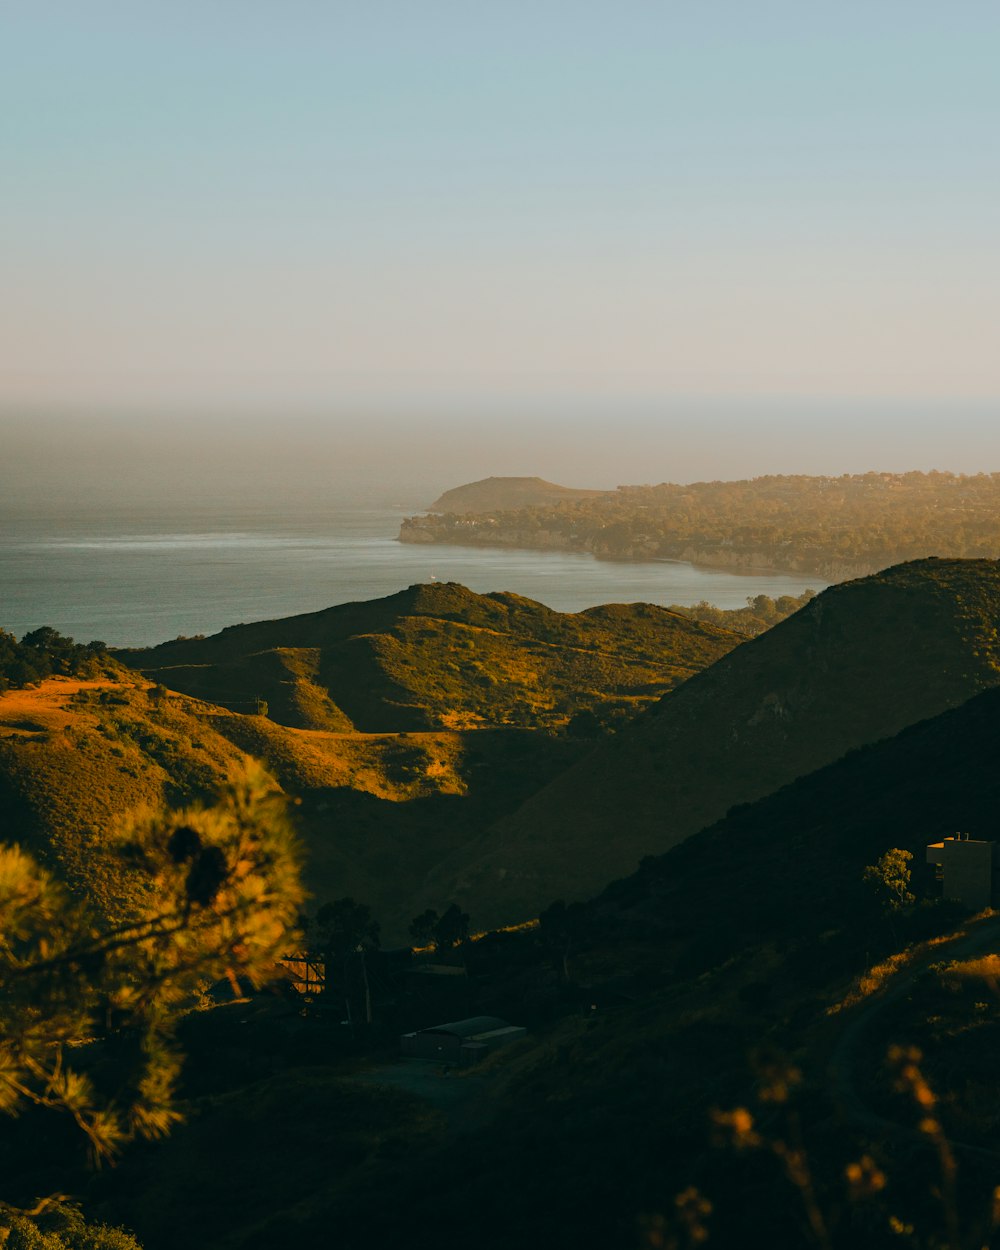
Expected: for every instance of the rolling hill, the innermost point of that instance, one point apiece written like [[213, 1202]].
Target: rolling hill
[[376, 811], [680, 969], [494, 494], [858, 664], [460, 687], [440, 657]]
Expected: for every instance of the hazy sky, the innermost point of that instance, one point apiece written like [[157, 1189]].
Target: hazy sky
[[680, 220]]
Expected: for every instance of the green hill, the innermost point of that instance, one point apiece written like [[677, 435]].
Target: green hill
[[457, 685], [859, 663], [376, 812], [496, 494], [77, 756], [441, 657]]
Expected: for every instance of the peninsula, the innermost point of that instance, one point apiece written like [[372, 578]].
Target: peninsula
[[835, 527]]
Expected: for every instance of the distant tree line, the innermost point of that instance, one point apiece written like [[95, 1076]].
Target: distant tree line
[[759, 615], [837, 526], [45, 653]]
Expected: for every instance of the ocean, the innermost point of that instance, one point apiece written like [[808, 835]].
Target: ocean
[[135, 576]]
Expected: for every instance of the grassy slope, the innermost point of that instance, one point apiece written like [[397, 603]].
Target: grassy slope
[[77, 757], [860, 662], [440, 656], [376, 811], [600, 1117]]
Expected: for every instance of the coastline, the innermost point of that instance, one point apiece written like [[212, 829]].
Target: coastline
[[750, 564]]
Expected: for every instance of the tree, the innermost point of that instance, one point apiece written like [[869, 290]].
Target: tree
[[345, 932], [215, 892], [560, 928], [422, 927], [344, 925], [452, 929], [890, 879]]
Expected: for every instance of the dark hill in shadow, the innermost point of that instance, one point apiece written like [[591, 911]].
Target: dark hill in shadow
[[791, 864], [858, 664]]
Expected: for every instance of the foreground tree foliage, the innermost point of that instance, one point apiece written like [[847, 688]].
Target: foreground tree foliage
[[217, 893]]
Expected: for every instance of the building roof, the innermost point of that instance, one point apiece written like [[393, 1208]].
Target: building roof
[[472, 1027]]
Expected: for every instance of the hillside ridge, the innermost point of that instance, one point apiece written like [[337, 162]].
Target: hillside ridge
[[439, 655], [503, 493], [859, 663]]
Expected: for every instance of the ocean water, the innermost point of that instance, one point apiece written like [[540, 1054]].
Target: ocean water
[[134, 577]]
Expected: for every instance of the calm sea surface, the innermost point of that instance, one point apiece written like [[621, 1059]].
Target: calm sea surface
[[135, 579]]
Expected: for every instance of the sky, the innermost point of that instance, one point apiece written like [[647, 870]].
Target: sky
[[602, 241]]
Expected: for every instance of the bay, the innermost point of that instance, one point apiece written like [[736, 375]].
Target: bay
[[134, 577]]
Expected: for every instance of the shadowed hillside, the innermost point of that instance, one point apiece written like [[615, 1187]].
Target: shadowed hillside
[[441, 657], [859, 663], [688, 986], [792, 863]]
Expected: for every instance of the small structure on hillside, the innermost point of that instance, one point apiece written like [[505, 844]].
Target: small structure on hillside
[[307, 973], [462, 1042], [966, 868]]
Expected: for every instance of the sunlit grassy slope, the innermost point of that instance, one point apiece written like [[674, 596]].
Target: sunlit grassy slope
[[75, 757], [376, 811], [441, 657]]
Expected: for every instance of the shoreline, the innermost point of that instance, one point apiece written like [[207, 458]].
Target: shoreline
[[738, 569]]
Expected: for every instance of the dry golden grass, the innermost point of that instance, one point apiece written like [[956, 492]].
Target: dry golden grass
[[43, 708], [879, 975], [389, 766]]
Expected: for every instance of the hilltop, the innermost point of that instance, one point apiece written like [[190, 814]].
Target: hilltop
[[401, 727], [857, 664], [501, 493], [439, 656]]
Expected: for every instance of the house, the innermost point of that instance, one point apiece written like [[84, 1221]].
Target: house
[[462, 1042], [966, 867]]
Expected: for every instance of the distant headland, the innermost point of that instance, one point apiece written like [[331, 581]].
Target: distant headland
[[499, 494], [833, 527]]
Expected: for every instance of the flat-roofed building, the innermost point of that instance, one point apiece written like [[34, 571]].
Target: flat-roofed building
[[463, 1041], [966, 867]]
